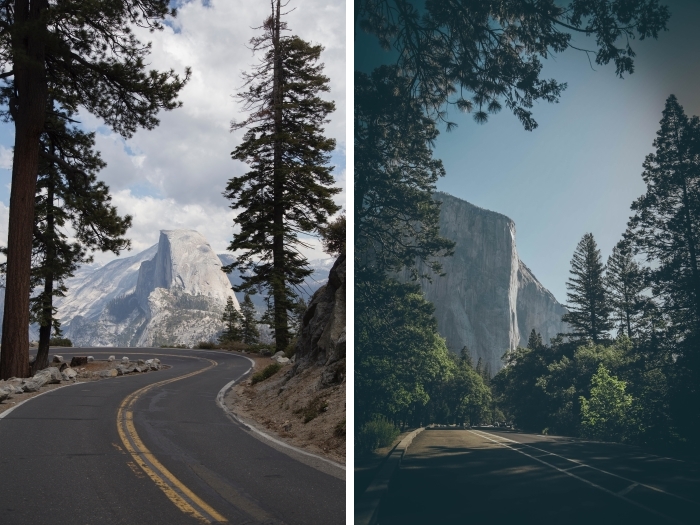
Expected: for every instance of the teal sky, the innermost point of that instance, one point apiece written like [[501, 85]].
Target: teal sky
[[580, 170]]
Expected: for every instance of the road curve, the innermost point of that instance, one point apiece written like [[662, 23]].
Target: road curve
[[483, 475], [151, 449]]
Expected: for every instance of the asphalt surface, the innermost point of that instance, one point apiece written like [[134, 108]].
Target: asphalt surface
[[490, 476], [64, 461]]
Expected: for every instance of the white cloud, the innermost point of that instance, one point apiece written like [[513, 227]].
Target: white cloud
[[173, 176], [5, 158], [151, 214]]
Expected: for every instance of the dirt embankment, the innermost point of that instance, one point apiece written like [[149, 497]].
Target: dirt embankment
[[306, 410]]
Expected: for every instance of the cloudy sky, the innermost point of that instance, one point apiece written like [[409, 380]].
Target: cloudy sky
[[173, 176]]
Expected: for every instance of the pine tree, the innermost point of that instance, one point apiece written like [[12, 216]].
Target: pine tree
[[534, 342], [233, 319], [625, 283], [288, 190], [665, 229], [465, 357], [88, 53], [249, 324], [333, 237], [588, 304], [666, 225], [396, 217], [68, 194]]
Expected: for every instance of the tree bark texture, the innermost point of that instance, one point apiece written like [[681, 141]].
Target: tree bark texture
[[28, 110], [278, 288], [42, 354]]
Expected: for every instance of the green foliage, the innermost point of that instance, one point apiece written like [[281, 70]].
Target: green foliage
[[588, 303], [312, 410], [232, 320], [339, 430], [60, 341], [288, 189], [266, 373], [462, 396], [625, 283], [296, 319], [480, 55], [606, 415], [545, 388], [516, 389], [375, 434], [333, 236], [249, 323], [665, 230], [403, 370], [396, 218], [398, 352], [206, 345]]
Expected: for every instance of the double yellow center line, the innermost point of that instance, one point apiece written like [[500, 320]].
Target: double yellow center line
[[183, 498]]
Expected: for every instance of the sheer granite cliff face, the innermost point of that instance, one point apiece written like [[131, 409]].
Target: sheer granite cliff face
[[172, 293], [488, 301]]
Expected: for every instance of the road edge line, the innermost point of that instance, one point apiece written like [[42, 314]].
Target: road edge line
[[9, 410], [367, 508], [485, 435], [231, 413], [606, 472]]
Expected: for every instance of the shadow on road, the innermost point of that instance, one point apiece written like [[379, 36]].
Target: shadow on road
[[461, 476]]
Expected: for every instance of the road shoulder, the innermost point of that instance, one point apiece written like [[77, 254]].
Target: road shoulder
[[264, 422]]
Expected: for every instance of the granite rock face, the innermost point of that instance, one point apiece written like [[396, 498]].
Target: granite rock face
[[322, 338], [488, 301], [172, 293]]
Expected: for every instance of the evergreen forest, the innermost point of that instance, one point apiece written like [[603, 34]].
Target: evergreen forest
[[629, 368], [479, 57]]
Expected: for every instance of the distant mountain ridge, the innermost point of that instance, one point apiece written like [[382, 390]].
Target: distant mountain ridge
[[171, 293]]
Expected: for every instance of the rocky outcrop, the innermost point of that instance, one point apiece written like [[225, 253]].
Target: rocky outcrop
[[322, 338], [172, 293], [488, 300]]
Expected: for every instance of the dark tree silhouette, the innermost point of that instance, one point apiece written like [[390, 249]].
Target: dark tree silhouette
[[232, 320], [624, 280], [289, 188], [249, 323], [68, 194], [333, 237], [665, 227], [588, 304], [88, 51], [396, 218], [478, 54]]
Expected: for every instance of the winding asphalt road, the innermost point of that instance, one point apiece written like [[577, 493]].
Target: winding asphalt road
[[488, 476], [155, 449]]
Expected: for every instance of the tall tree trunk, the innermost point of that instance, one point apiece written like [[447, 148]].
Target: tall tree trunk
[[42, 354], [28, 109], [692, 255], [279, 291]]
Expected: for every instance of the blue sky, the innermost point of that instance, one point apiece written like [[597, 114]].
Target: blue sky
[[580, 170]]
